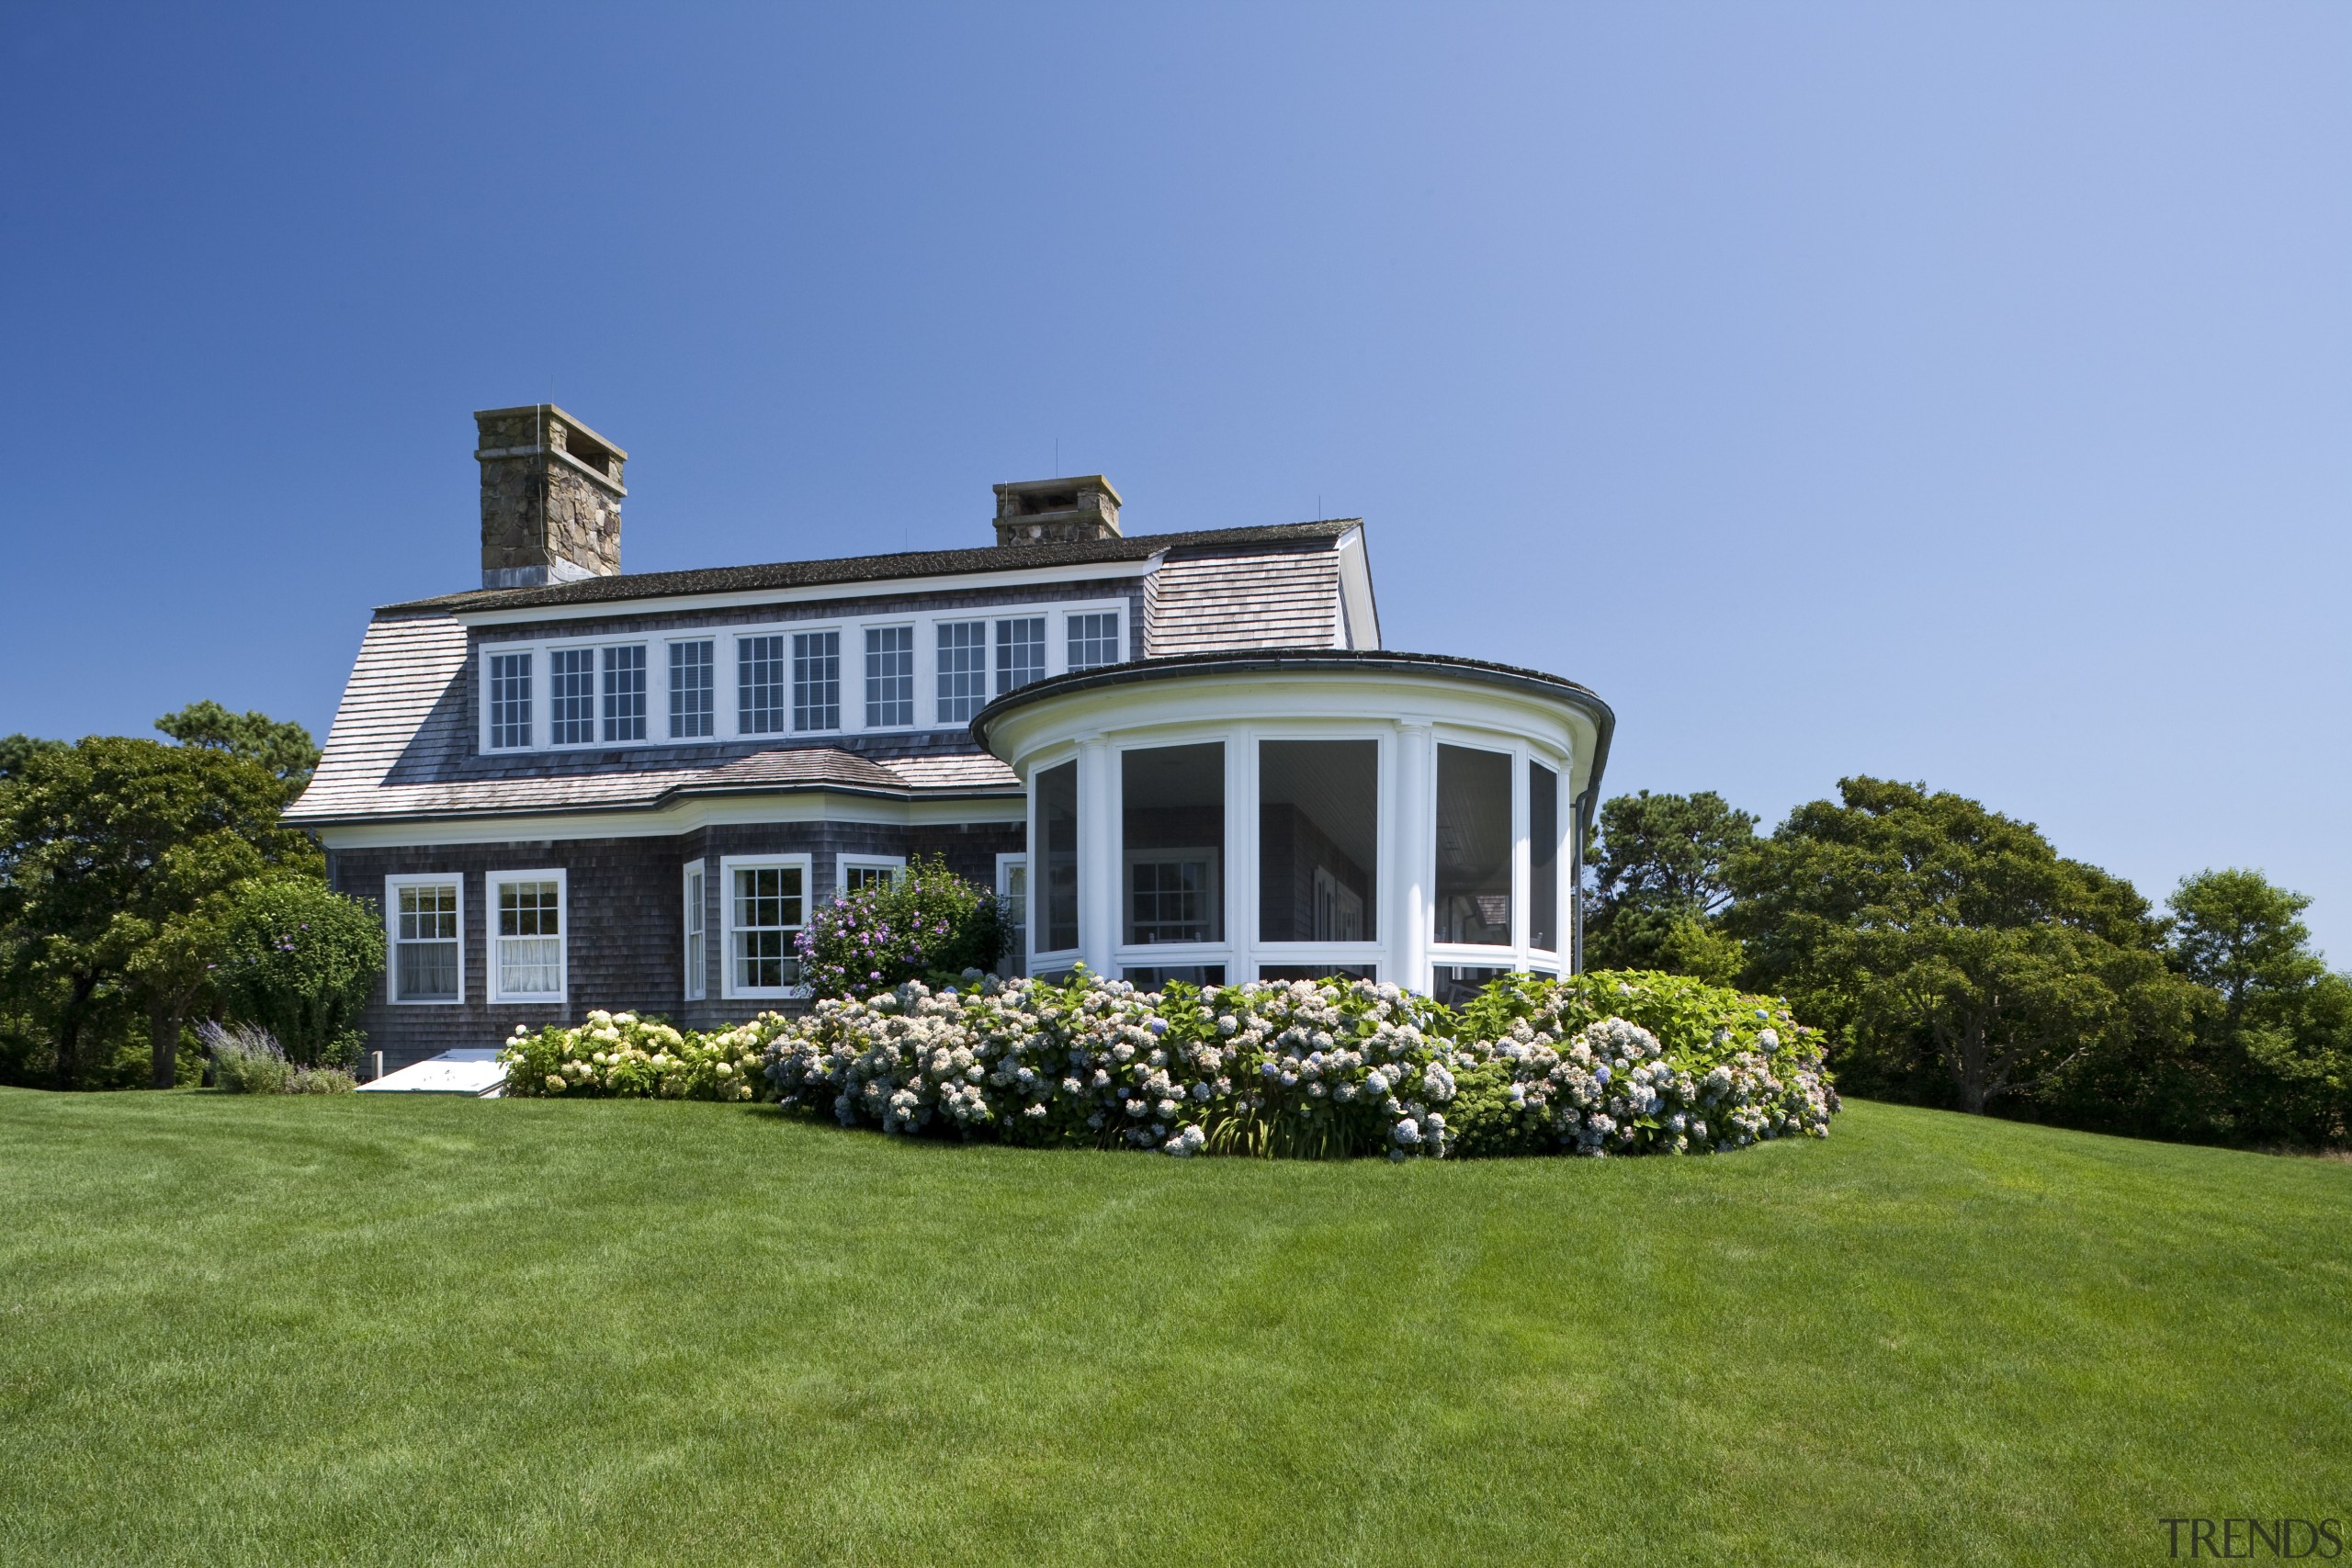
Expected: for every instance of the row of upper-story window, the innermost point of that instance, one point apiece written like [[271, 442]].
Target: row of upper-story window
[[814, 679]]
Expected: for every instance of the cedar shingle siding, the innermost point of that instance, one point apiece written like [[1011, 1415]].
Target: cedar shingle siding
[[404, 751]]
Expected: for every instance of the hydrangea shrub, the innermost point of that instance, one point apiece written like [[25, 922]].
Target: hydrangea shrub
[[620, 1054], [927, 920], [1595, 1065]]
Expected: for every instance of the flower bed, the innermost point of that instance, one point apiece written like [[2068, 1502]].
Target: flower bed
[[1594, 1065]]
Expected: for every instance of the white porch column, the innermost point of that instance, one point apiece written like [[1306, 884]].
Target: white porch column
[[1097, 854], [1413, 855]]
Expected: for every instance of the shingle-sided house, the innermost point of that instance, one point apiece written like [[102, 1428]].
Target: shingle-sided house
[[575, 787]]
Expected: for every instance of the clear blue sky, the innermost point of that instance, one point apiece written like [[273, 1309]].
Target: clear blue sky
[[1957, 393]]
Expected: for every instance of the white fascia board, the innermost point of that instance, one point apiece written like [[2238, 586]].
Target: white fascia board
[[894, 587], [1355, 588], [685, 817]]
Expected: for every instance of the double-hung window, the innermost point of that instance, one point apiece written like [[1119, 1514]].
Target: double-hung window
[[425, 917], [853, 874], [571, 696], [697, 958], [890, 677], [1093, 640], [527, 936], [963, 670], [766, 904], [510, 700], [692, 691], [625, 693], [759, 675], [816, 681], [1020, 652]]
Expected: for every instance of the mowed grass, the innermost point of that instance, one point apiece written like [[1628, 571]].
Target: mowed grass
[[383, 1329]]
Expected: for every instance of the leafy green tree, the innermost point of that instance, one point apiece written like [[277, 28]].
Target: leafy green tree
[[114, 856], [1660, 886], [16, 753], [299, 959], [1952, 950], [281, 746]]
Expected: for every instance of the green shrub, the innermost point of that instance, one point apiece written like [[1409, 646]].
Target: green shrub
[[928, 921], [297, 959]]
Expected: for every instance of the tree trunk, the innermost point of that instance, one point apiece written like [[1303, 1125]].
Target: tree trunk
[[164, 1037]]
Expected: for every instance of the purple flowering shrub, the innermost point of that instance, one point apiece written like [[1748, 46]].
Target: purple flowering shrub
[[297, 959], [928, 921]]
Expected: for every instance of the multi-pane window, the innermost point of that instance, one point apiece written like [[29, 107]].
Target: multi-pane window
[[424, 942], [1020, 652], [857, 874], [759, 685], [765, 908], [890, 677], [692, 689], [625, 693], [695, 956], [1093, 640], [816, 681], [1012, 889], [510, 699], [527, 949], [963, 670], [571, 696]]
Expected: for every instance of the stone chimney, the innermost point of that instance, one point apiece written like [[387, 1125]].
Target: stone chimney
[[1057, 511], [550, 498]]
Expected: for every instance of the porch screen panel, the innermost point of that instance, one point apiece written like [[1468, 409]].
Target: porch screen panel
[[1173, 832], [1319, 840], [1058, 826], [1472, 846], [1543, 858]]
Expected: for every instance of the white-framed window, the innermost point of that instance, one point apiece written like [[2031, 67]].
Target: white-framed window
[[624, 693], [759, 685], [697, 956], [694, 691], [509, 704], [425, 919], [1093, 640], [571, 696], [1020, 652], [527, 920], [963, 670], [854, 872], [1012, 892], [816, 680], [765, 904], [890, 677], [1174, 895]]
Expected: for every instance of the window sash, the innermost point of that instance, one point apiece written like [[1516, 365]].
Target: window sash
[[510, 700], [759, 689], [571, 696], [767, 906], [425, 952], [963, 670], [529, 940], [890, 677], [1093, 640], [692, 691], [696, 954], [625, 692], [816, 681], [1020, 652]]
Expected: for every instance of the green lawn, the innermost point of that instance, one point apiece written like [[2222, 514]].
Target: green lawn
[[392, 1330]]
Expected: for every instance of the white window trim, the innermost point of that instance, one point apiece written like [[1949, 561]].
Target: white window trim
[[727, 866], [492, 883], [726, 661], [845, 864], [697, 976], [392, 885], [1006, 864]]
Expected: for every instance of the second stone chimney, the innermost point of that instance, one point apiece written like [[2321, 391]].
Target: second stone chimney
[[550, 498], [1057, 511]]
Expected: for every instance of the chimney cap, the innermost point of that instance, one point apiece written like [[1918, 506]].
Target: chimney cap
[[1076, 508], [483, 417]]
